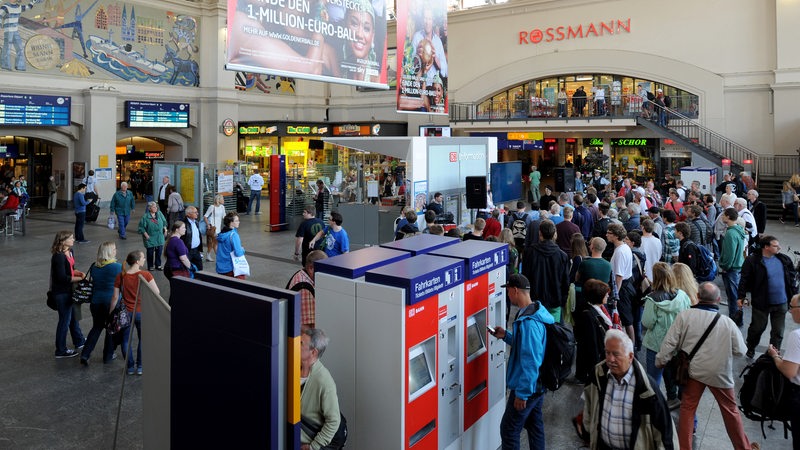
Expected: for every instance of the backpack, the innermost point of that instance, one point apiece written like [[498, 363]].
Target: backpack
[[559, 353], [667, 101], [650, 96], [765, 395], [518, 225], [297, 287], [706, 267]]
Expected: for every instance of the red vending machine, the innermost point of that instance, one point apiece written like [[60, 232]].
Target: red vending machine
[[277, 193]]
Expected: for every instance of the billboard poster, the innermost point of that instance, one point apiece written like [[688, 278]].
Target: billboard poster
[[336, 41], [422, 59]]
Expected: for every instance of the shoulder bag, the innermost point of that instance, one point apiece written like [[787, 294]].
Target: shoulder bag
[[82, 290], [211, 230], [119, 319], [338, 440], [682, 359], [240, 265]]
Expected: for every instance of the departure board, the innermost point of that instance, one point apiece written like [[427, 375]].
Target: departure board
[[34, 110], [156, 114]]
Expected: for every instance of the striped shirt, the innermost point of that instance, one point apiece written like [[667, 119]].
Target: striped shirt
[[11, 13], [616, 421]]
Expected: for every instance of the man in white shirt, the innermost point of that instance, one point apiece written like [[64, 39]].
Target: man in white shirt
[[162, 196], [256, 182], [750, 227], [651, 247], [622, 275]]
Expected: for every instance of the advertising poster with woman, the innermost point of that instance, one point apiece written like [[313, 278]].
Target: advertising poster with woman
[[337, 41], [422, 56]]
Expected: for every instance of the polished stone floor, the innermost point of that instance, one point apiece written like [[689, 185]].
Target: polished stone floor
[[58, 404]]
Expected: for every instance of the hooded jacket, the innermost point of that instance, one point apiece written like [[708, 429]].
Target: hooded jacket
[[547, 268], [228, 242], [732, 252], [527, 339], [660, 310]]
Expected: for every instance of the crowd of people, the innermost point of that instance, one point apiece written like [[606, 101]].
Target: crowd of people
[[641, 261]]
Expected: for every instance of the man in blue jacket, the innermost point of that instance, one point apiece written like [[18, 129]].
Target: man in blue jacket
[[527, 339]]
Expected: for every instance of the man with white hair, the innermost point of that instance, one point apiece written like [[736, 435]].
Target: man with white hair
[[624, 407], [759, 210], [750, 226], [123, 204]]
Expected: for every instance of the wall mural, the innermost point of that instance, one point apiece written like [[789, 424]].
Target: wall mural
[[99, 40]]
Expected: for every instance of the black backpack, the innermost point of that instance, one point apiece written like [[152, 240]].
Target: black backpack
[[650, 96], [766, 394], [559, 352]]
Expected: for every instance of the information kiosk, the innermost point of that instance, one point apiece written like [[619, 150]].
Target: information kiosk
[[483, 357], [408, 345], [336, 281]]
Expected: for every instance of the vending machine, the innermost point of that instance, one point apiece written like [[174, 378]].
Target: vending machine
[[277, 193], [409, 343], [483, 359], [421, 244], [335, 282]]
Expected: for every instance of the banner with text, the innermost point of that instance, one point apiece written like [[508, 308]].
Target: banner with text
[[337, 41], [422, 59]]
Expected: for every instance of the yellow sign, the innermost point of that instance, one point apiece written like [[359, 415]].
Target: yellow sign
[[102, 161], [534, 136], [187, 184]]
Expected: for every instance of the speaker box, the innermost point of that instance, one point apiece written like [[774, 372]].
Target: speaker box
[[476, 192], [565, 179], [315, 144]]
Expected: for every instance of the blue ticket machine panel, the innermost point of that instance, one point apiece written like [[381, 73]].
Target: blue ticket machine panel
[[432, 288], [422, 243]]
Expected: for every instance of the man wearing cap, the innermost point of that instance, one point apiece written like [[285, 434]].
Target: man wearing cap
[[655, 214], [527, 339]]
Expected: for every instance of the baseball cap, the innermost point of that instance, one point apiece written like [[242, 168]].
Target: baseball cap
[[518, 281]]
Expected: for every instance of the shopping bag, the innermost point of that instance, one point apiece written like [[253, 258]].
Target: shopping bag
[[240, 265], [112, 222]]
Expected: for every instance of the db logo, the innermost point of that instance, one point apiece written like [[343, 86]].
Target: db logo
[[453, 156], [411, 312]]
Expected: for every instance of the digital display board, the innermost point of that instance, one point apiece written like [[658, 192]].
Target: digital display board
[[34, 110], [156, 114]]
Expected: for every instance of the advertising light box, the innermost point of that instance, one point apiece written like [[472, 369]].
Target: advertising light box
[[35, 110], [156, 114], [421, 276]]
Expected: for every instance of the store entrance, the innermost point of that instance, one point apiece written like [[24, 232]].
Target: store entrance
[[135, 156], [29, 160]]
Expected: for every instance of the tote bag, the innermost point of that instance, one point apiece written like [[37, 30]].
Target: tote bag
[[240, 265]]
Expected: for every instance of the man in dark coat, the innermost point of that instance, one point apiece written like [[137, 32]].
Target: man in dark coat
[[547, 267]]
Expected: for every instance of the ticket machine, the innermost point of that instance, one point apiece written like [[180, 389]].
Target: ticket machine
[[483, 357], [336, 280], [409, 342], [422, 243]]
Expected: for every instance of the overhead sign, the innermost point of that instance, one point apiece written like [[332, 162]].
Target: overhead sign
[[575, 31], [422, 68], [35, 110], [635, 142], [337, 41], [156, 114]]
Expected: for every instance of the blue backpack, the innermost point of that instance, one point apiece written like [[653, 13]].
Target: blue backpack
[[706, 267]]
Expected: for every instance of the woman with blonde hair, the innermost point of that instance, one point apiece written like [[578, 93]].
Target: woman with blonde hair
[[213, 217], [661, 306], [789, 200], [62, 276], [103, 272], [684, 280], [127, 284]]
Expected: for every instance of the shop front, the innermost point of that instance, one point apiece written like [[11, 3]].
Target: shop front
[[672, 157], [135, 164], [634, 157]]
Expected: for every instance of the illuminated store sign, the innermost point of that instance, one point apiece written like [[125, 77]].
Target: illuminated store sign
[[632, 142], [304, 129], [562, 32]]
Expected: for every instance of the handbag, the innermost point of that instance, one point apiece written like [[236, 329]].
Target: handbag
[[119, 319], [682, 359], [796, 198], [240, 265], [51, 301], [82, 290], [338, 440], [112, 222], [202, 228]]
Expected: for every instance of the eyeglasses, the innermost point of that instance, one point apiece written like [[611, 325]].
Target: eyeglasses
[[793, 307]]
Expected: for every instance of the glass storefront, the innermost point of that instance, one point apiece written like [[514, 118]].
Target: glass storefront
[[539, 98]]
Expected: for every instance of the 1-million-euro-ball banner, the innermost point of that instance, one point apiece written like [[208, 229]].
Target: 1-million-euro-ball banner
[[100, 40], [422, 56], [338, 41]]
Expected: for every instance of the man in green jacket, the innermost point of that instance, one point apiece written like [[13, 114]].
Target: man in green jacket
[[730, 261], [123, 204]]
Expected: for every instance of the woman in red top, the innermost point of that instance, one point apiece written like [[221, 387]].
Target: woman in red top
[[128, 283], [674, 204]]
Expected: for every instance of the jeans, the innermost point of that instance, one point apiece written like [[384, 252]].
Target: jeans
[[529, 418], [80, 219], [154, 253], [637, 325], [66, 321], [726, 399], [537, 195], [52, 200], [657, 374], [255, 196], [12, 38], [126, 336], [731, 280], [122, 222], [99, 319], [758, 323]]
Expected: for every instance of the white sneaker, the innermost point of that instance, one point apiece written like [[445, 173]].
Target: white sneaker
[[209, 259]]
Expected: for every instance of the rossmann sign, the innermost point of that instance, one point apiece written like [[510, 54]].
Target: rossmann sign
[[580, 31]]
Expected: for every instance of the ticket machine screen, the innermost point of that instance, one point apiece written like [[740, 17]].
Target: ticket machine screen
[[475, 337], [420, 377]]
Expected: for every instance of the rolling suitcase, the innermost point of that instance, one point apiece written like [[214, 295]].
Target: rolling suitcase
[[92, 211]]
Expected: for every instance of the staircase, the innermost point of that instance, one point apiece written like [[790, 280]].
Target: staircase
[[709, 144], [769, 191]]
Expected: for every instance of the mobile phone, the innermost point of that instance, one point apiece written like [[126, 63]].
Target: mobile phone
[[490, 328]]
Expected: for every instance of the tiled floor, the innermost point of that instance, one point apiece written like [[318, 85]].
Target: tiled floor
[[47, 403]]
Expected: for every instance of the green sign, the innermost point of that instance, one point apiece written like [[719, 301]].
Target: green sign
[[592, 142], [634, 142]]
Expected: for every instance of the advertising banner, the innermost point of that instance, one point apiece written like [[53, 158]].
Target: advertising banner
[[422, 59], [337, 41]]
